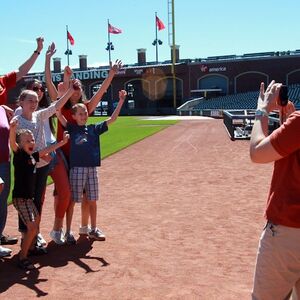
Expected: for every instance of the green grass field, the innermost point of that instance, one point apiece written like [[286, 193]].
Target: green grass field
[[123, 133], [127, 131]]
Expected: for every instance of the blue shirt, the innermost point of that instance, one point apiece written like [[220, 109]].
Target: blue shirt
[[85, 144]]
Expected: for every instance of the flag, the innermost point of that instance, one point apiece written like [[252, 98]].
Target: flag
[[113, 30], [70, 38], [160, 25]]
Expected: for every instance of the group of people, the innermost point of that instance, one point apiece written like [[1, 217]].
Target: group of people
[[39, 151]]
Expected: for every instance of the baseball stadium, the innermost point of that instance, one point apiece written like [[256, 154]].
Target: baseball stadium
[[181, 201], [182, 205]]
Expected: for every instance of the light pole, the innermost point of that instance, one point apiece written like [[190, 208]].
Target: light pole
[[109, 47], [157, 42], [68, 52]]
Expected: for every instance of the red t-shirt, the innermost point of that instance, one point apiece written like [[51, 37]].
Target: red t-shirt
[[4, 137], [7, 82], [60, 130], [283, 206]]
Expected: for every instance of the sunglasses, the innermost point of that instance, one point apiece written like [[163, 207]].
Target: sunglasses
[[36, 88]]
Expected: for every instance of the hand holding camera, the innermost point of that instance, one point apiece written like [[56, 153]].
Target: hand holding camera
[[283, 96]]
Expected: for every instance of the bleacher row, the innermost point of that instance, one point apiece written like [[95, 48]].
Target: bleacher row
[[244, 100]]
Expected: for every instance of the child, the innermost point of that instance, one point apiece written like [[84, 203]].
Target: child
[[85, 144], [25, 160]]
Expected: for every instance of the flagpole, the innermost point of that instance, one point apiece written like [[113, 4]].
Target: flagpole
[[68, 52], [156, 41], [108, 44]]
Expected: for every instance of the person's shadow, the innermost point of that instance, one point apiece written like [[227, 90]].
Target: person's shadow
[[58, 256], [10, 275]]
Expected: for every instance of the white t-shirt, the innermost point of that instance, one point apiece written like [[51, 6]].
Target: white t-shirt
[[50, 138], [36, 125]]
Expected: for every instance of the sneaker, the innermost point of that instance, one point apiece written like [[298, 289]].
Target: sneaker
[[97, 234], [5, 251], [8, 240], [69, 238], [84, 230], [58, 237], [40, 240]]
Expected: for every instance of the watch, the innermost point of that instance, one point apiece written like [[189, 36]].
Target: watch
[[261, 113]]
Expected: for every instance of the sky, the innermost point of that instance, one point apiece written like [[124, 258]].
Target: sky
[[202, 29]]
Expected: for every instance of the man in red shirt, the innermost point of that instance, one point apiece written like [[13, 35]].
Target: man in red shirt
[[8, 82], [277, 271]]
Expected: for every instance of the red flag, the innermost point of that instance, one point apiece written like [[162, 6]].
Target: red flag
[[160, 25], [70, 38], [113, 30]]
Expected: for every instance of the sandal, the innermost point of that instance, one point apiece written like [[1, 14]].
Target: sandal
[[26, 264]]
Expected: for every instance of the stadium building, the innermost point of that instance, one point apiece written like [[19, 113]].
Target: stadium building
[[216, 82]]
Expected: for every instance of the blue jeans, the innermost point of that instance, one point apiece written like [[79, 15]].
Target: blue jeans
[[5, 175], [40, 186]]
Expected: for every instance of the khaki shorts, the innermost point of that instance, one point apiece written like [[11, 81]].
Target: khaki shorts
[[277, 270]]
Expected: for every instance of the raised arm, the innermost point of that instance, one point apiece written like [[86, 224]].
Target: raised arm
[[53, 147], [61, 118], [115, 114], [12, 134], [261, 149], [52, 91], [105, 85], [26, 66], [62, 100]]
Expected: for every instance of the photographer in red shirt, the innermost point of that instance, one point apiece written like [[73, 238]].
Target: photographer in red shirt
[[277, 270]]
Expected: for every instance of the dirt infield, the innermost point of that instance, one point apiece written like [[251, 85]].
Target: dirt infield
[[182, 211]]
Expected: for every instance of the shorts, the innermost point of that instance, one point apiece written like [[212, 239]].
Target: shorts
[[26, 209], [84, 178], [277, 270]]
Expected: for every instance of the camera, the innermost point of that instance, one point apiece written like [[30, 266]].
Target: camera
[[283, 96]]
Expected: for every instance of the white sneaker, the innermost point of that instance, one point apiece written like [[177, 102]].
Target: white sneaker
[[5, 251], [41, 240], [84, 230], [58, 237], [97, 234]]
